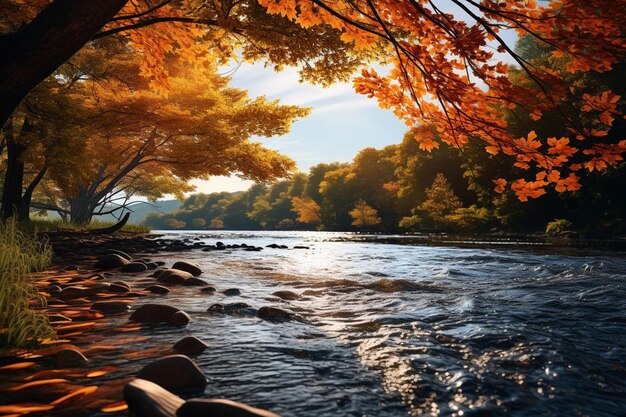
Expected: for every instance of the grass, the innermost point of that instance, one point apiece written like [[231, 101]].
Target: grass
[[42, 225], [22, 323]]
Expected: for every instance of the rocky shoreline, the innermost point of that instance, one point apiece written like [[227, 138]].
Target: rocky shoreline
[[93, 288]]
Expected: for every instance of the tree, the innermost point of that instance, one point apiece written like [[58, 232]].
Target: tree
[[364, 215], [447, 85], [441, 200], [307, 209]]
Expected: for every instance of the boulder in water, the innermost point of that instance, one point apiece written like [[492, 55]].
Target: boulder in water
[[110, 306], [134, 267], [110, 261], [173, 276], [158, 289], [154, 313], [286, 295], [231, 291], [190, 345], [274, 315], [147, 399], [179, 319], [220, 408], [193, 269], [175, 373]]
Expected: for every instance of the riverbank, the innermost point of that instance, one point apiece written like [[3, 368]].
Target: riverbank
[[107, 305]]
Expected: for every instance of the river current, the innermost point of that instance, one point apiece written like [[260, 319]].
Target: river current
[[398, 330]]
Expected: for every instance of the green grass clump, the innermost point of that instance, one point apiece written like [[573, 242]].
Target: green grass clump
[[42, 225], [21, 321]]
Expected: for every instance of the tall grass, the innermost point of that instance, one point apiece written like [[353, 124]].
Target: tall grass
[[42, 225], [21, 322]]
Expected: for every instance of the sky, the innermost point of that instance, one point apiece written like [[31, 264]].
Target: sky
[[341, 122]]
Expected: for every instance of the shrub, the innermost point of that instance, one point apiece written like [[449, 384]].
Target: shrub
[[21, 321], [557, 226]]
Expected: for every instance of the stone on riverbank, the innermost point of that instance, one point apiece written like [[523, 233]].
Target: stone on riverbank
[[231, 292], [154, 313], [193, 269], [134, 267], [147, 399], [158, 289], [121, 253], [74, 292], [190, 345], [69, 358], [110, 261], [223, 408], [175, 373], [173, 276]]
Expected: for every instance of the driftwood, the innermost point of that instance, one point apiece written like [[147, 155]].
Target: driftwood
[[111, 229]]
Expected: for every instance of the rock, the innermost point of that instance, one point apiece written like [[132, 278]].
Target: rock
[[158, 289], [219, 244], [234, 309], [153, 313], [152, 265], [147, 399], [193, 269], [58, 317], [118, 288], [208, 289], [134, 267], [301, 247], [220, 408], [110, 306], [273, 246], [159, 263], [253, 249], [71, 268], [123, 284], [190, 345], [69, 358], [120, 253], [286, 295], [111, 261], [179, 319], [173, 276], [96, 277], [275, 315], [195, 281], [175, 373], [54, 290], [74, 292], [231, 291]]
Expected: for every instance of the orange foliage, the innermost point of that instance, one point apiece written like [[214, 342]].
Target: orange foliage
[[446, 77]]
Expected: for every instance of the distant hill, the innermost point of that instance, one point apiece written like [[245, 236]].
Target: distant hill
[[139, 213]]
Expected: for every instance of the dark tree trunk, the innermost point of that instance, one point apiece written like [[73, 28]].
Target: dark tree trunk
[[24, 207], [34, 52], [13, 180]]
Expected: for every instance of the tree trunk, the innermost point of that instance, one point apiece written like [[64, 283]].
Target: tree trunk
[[24, 207], [13, 180], [81, 211], [34, 52]]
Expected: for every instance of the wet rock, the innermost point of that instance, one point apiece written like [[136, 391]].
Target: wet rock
[[275, 315], [134, 267], [159, 263], [120, 253], [69, 358], [158, 289], [173, 276], [123, 284], [253, 249], [74, 292], [71, 268], [223, 408], [286, 295], [273, 246], [301, 247], [179, 319], [58, 317], [96, 277], [175, 373], [231, 291], [193, 269], [54, 290], [208, 289], [239, 309], [216, 308], [147, 399], [110, 306], [195, 281], [219, 244], [153, 313], [152, 265], [118, 288], [111, 261], [190, 345]]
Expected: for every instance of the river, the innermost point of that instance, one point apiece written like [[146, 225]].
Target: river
[[398, 330]]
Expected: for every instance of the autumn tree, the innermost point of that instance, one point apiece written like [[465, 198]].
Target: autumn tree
[[449, 84], [308, 210], [364, 215], [440, 200]]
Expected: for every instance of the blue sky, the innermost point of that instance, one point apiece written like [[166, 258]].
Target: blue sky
[[340, 125]]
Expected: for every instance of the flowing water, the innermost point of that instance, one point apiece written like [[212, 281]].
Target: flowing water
[[397, 330]]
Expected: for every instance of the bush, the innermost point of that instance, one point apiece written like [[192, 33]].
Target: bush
[[21, 321], [557, 227], [468, 219]]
